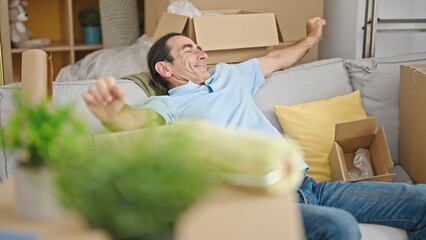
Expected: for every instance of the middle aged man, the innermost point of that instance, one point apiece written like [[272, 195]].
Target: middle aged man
[[224, 96]]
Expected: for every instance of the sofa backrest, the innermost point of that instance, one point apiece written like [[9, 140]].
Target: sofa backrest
[[378, 81], [376, 78], [70, 92], [309, 82]]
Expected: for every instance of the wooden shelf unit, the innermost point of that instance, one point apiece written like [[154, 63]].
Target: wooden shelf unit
[[53, 19]]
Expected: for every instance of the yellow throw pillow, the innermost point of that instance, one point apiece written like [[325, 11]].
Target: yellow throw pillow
[[312, 125]]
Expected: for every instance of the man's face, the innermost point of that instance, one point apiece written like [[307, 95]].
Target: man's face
[[189, 61]]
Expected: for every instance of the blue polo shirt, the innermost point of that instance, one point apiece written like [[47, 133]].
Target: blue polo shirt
[[226, 100]]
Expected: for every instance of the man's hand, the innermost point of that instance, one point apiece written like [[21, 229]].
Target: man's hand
[[283, 58], [105, 99], [314, 30]]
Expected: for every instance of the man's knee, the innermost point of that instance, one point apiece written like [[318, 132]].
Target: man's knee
[[329, 223]]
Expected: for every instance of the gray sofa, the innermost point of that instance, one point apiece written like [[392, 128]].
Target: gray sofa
[[377, 79]]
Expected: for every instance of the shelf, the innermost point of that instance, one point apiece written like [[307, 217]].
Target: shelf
[[56, 46], [56, 20]]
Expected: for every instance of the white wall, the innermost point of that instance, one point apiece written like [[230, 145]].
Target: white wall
[[343, 35], [343, 30], [391, 43]]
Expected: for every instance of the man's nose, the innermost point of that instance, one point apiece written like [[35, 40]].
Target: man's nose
[[201, 54]]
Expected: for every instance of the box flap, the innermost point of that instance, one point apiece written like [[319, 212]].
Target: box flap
[[246, 31], [374, 178], [355, 128], [165, 26], [220, 11], [337, 163], [280, 34], [417, 67], [384, 149]]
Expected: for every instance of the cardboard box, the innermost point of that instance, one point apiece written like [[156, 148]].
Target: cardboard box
[[412, 121], [230, 213], [291, 14], [218, 35], [310, 56], [349, 136]]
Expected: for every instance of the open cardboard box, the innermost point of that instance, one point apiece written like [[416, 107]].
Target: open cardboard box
[[233, 37], [412, 121], [349, 136], [291, 15]]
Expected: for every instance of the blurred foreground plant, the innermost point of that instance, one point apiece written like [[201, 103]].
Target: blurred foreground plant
[[40, 131], [137, 183], [138, 188]]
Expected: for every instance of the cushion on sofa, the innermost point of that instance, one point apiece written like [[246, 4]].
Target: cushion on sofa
[[378, 81], [312, 125], [381, 232], [309, 82], [400, 175]]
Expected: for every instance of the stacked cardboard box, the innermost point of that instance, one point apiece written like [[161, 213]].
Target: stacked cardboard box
[[412, 121]]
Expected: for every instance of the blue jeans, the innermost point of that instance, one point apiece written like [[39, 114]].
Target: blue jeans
[[331, 210]]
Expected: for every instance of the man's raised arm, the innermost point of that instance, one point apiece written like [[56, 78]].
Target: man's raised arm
[[283, 58], [105, 99]]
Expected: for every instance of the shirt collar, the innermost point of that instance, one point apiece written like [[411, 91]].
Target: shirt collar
[[183, 89]]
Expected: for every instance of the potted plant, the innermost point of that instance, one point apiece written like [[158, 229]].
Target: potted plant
[[41, 133], [134, 187], [90, 20]]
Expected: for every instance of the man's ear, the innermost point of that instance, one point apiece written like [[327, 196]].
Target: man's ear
[[163, 69]]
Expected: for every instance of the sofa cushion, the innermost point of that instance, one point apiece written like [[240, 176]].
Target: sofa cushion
[[312, 125], [381, 232], [378, 81], [309, 82], [400, 175]]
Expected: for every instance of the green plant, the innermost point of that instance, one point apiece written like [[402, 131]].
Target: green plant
[[89, 17], [135, 189], [41, 132], [138, 183]]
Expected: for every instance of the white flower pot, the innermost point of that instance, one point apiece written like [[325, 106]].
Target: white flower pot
[[35, 194]]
